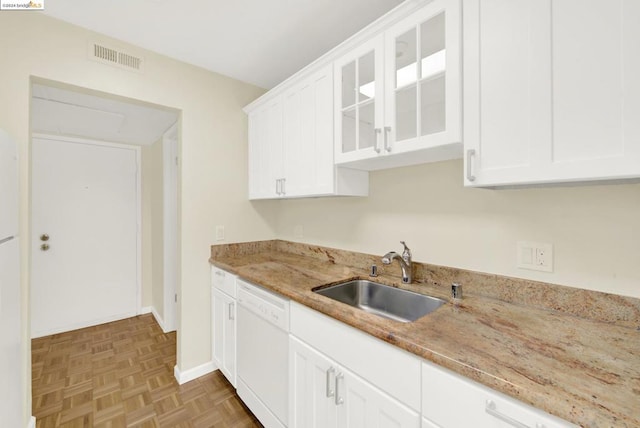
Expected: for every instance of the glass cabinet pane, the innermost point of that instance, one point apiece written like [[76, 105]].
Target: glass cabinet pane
[[349, 130], [433, 65], [432, 111], [406, 114], [367, 125], [358, 103], [406, 70], [366, 77], [432, 47], [349, 84]]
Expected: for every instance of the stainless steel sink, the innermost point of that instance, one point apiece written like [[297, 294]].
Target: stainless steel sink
[[383, 300]]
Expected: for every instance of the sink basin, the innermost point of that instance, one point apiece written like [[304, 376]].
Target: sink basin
[[383, 300]]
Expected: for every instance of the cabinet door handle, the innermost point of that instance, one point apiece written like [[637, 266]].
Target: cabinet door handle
[[330, 371], [231, 310], [490, 408], [283, 188], [339, 400], [387, 134], [277, 186], [470, 155], [377, 145]]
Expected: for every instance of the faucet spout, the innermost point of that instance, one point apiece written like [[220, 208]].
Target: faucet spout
[[405, 264]]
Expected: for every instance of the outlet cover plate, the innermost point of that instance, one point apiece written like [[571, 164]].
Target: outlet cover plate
[[535, 256]]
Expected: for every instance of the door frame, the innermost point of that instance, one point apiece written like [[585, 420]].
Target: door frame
[[170, 250], [138, 153]]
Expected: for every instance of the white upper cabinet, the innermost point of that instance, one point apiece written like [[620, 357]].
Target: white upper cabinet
[[265, 150], [291, 144], [551, 92], [397, 96]]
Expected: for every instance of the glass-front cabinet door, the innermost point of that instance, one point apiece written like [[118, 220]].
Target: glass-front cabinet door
[[398, 96], [422, 78], [359, 92]]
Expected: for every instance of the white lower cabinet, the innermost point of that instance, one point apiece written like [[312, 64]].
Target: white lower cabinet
[[325, 394], [451, 401], [223, 329]]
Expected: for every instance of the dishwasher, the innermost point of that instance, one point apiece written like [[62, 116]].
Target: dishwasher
[[263, 353]]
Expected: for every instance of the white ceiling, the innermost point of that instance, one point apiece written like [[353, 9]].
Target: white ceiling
[[66, 112], [257, 41]]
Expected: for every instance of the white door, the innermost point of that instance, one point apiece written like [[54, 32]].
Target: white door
[[85, 199]]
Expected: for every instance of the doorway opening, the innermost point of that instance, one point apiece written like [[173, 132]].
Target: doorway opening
[[104, 198]]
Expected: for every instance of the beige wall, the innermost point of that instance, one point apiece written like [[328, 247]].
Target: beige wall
[[595, 230], [213, 150]]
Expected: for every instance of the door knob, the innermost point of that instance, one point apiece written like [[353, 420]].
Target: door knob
[[44, 237], [44, 247]]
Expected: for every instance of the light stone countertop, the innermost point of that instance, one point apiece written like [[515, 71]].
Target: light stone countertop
[[581, 369]]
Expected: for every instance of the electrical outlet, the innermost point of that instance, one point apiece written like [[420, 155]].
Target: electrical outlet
[[219, 233], [535, 256], [298, 231]]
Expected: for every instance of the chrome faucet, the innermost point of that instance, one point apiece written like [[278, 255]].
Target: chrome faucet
[[404, 260]]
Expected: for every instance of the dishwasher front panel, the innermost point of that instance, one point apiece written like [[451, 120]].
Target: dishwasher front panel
[[263, 350]]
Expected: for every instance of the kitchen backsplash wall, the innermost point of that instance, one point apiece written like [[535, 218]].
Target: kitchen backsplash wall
[[594, 229]]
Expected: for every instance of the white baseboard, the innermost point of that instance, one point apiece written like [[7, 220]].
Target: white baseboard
[[196, 372], [32, 422], [159, 320], [152, 310], [76, 326]]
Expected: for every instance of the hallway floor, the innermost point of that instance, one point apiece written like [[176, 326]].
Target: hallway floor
[[120, 374]]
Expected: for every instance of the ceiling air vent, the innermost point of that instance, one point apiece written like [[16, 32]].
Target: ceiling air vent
[[113, 56]]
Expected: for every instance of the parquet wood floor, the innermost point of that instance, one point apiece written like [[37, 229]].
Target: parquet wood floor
[[120, 374]]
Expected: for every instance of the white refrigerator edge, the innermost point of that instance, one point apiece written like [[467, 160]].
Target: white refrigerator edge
[[11, 352]]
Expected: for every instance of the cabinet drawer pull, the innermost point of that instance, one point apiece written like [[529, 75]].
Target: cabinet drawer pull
[[219, 273], [490, 408], [377, 144], [330, 371], [470, 155], [387, 137], [339, 400], [231, 310]]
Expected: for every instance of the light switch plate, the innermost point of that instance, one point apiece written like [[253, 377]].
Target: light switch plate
[[535, 256], [219, 233], [298, 231]]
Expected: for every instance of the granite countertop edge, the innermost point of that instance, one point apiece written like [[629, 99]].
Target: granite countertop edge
[[483, 322]]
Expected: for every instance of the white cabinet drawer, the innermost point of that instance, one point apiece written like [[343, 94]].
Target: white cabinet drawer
[[387, 367], [223, 281], [451, 401]]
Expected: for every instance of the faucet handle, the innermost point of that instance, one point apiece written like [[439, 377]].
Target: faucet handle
[[406, 253]]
